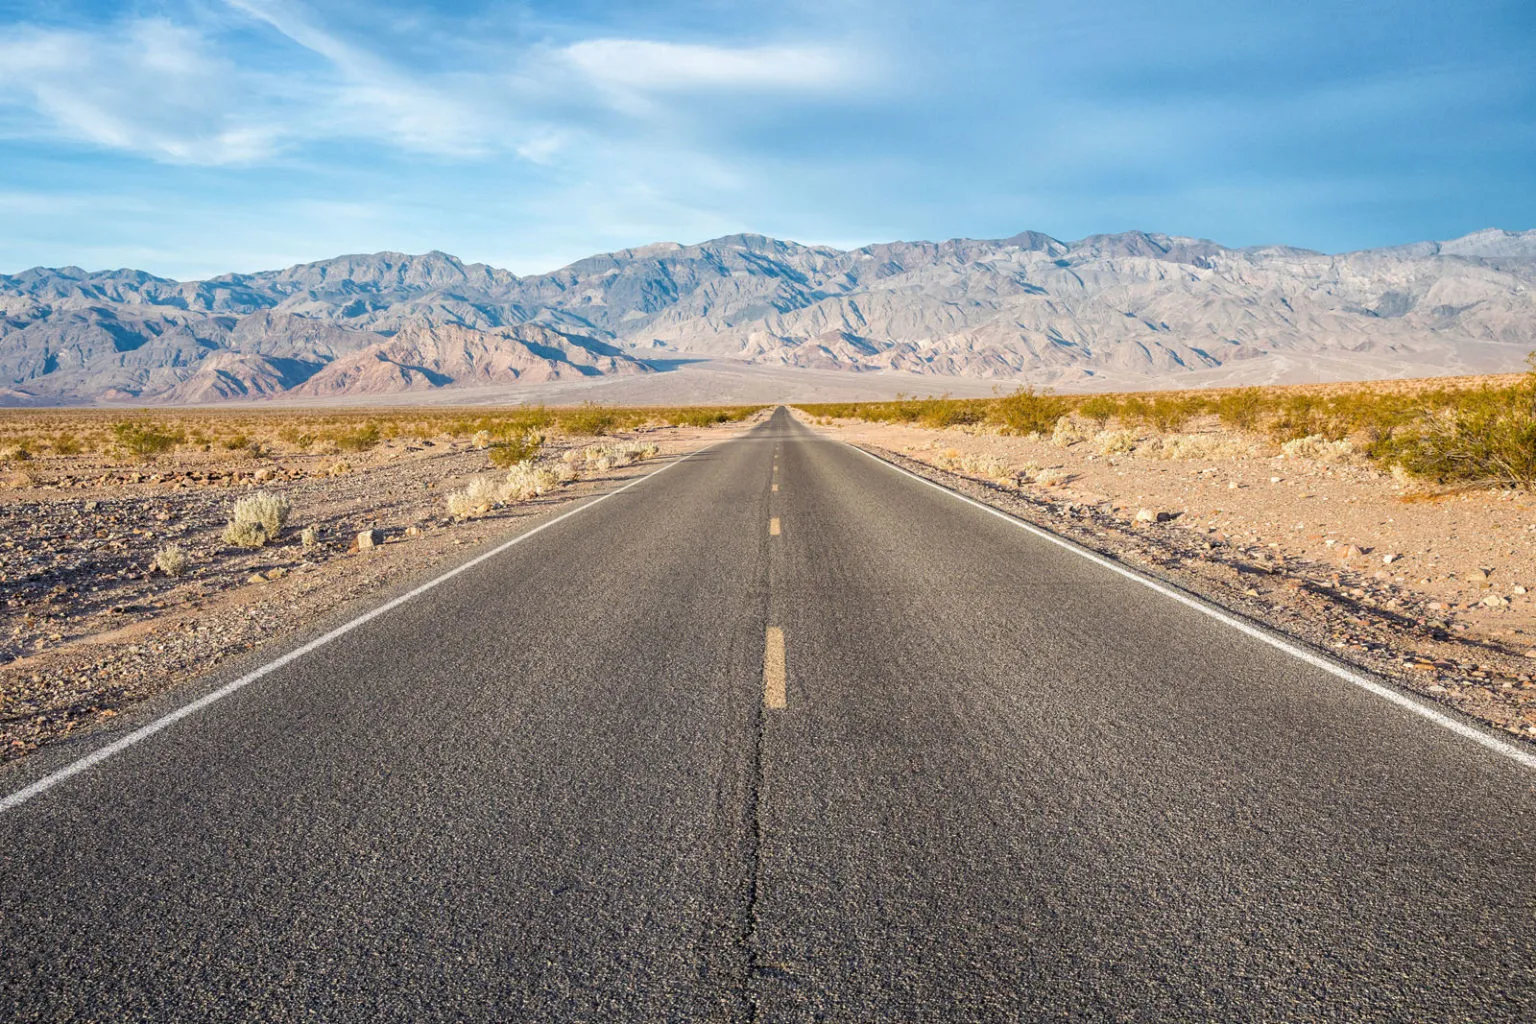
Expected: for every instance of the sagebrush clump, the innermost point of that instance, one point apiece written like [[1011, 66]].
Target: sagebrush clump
[[526, 481], [257, 519], [172, 560], [477, 498]]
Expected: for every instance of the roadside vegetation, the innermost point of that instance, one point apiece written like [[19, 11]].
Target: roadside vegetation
[[143, 436], [1468, 431]]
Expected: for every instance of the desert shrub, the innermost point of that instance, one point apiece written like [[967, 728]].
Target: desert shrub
[[1069, 430], [257, 519], [481, 495], [171, 560], [949, 412], [1319, 449], [296, 436], [1241, 409], [1169, 414], [988, 467], [1098, 410], [516, 449], [66, 444], [1490, 438], [359, 439], [144, 440], [1185, 447], [1299, 416], [1136, 411], [526, 481], [1115, 442], [1028, 411], [589, 419]]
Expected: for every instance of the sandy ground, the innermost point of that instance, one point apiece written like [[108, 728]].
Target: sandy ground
[[88, 627], [1435, 590]]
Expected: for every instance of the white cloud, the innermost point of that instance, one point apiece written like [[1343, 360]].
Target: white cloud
[[646, 65], [152, 88], [412, 111]]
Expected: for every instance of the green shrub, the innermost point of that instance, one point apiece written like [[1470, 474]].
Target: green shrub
[[359, 440], [144, 440], [1099, 410], [514, 450], [590, 420], [1490, 437], [1028, 411]]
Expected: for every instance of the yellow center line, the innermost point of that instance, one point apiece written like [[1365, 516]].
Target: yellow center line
[[773, 526], [773, 670]]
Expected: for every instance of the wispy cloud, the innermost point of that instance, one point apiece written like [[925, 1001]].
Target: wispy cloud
[[652, 66], [152, 87], [371, 97]]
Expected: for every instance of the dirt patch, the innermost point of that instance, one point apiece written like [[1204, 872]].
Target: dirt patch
[[1435, 590], [89, 627]]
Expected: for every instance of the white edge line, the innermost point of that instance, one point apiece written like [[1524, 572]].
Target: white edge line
[[1493, 743], [117, 746]]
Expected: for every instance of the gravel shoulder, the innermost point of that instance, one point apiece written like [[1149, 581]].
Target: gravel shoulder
[[89, 628], [1435, 591]]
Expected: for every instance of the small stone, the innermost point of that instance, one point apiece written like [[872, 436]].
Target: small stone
[[256, 577], [1495, 601], [1520, 590], [1389, 559], [1274, 479], [413, 531], [1233, 485], [369, 539], [276, 573], [1146, 515]]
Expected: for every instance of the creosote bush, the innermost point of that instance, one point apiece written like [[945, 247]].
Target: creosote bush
[[1488, 441], [144, 440], [257, 519], [515, 449]]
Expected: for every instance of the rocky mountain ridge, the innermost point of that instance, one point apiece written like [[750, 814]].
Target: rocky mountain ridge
[[1108, 308]]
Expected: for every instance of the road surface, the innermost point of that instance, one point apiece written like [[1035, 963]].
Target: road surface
[[780, 734]]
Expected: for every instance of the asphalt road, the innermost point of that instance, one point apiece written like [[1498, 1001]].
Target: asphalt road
[[1005, 784]]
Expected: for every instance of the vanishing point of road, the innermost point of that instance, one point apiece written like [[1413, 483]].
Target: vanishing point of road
[[778, 733]]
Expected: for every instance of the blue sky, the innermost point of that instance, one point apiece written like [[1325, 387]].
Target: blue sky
[[191, 137]]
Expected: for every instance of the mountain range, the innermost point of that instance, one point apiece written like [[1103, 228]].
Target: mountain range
[[1130, 309]]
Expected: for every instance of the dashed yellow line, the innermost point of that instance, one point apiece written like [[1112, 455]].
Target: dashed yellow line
[[773, 670], [773, 527]]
